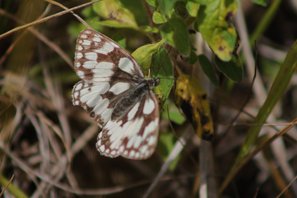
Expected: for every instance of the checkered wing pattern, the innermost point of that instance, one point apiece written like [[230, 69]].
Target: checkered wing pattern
[[108, 74]]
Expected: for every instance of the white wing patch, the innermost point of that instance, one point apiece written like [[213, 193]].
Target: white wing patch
[[101, 73], [106, 48], [133, 111], [126, 65], [91, 56], [119, 87], [149, 106], [78, 55], [90, 64]]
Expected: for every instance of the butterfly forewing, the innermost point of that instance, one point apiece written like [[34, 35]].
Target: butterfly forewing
[[89, 96], [106, 71], [98, 58], [108, 74]]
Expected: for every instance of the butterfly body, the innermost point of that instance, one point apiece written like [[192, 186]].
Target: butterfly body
[[130, 98], [113, 89]]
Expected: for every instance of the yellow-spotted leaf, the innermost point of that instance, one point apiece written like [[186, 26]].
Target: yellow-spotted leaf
[[214, 24], [116, 13]]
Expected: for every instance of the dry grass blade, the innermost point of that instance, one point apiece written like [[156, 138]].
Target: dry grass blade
[[179, 145], [207, 187], [77, 146], [75, 15], [255, 151], [287, 187], [42, 20]]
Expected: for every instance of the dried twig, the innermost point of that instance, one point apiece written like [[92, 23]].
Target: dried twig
[[179, 145], [39, 21]]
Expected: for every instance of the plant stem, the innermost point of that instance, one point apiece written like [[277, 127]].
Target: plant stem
[[265, 21], [14, 190]]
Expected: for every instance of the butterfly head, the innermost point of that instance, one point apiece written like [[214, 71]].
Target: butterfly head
[[153, 82]]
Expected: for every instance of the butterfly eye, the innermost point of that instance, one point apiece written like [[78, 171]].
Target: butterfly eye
[[112, 84], [153, 82]]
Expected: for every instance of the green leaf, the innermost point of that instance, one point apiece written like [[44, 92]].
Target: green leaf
[[175, 32], [75, 28], [232, 69], [87, 12], [208, 69], [172, 113], [162, 68], [192, 8], [167, 33], [260, 2], [149, 29], [166, 7], [192, 59], [143, 55], [152, 3], [115, 11], [158, 18], [137, 8], [203, 2], [114, 24], [219, 33]]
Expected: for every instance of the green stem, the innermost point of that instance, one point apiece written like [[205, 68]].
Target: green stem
[[265, 21], [14, 190], [277, 90]]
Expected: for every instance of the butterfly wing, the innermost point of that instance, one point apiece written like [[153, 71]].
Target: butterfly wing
[[106, 71], [134, 135], [98, 58]]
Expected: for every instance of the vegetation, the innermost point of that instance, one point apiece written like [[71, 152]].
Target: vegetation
[[227, 98]]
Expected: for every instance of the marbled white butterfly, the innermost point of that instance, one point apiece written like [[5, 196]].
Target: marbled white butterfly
[[113, 89]]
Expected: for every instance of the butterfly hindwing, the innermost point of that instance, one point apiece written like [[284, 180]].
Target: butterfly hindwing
[[134, 136]]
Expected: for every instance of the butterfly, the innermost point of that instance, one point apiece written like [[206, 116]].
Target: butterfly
[[115, 92]]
